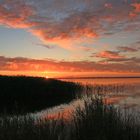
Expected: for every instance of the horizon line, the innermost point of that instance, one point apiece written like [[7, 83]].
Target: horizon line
[[99, 77]]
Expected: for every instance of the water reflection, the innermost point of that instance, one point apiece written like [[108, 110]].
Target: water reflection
[[106, 81], [117, 90], [123, 92]]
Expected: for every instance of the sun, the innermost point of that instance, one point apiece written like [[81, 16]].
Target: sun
[[46, 77]]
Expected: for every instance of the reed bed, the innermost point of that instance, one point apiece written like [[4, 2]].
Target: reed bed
[[94, 121]]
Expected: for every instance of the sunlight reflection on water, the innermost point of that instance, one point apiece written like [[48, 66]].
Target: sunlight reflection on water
[[123, 92]]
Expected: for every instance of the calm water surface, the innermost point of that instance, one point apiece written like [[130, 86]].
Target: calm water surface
[[128, 89], [123, 92]]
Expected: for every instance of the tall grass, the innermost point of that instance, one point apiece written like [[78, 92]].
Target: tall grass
[[99, 121], [27, 128], [93, 121]]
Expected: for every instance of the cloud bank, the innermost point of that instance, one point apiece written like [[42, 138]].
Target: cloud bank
[[26, 64], [61, 22]]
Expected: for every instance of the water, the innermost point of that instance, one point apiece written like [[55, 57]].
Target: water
[[128, 89], [106, 81], [123, 92]]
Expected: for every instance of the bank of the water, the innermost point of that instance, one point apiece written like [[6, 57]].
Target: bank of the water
[[21, 95]]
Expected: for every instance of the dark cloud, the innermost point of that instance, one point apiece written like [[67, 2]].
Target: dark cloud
[[138, 42], [132, 60], [127, 49]]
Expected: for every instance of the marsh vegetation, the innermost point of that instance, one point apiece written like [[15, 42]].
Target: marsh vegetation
[[20, 95], [94, 120]]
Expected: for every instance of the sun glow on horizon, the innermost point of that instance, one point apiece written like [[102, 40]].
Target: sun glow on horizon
[[47, 77], [70, 42]]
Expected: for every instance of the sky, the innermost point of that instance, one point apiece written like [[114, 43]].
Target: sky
[[70, 38]]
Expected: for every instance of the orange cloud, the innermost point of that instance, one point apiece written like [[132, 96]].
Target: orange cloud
[[132, 14], [60, 24], [48, 65], [137, 7], [136, 10], [109, 54], [15, 14]]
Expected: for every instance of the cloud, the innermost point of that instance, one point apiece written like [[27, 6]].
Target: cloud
[[26, 64], [86, 49], [136, 10], [138, 42], [108, 5], [137, 7], [45, 45], [127, 49], [64, 21], [131, 60], [15, 14], [108, 54]]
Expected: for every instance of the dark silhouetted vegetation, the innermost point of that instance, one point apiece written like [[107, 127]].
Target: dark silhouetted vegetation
[[93, 121], [99, 121], [28, 94]]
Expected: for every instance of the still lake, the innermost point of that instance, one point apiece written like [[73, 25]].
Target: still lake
[[123, 92]]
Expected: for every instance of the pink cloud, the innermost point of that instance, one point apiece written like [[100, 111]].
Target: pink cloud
[[108, 5]]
